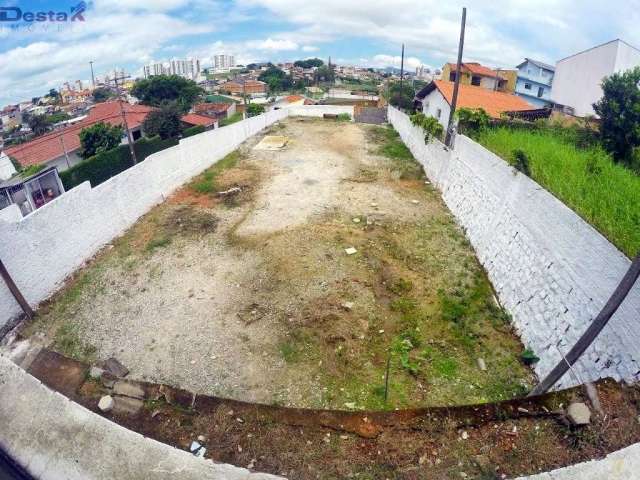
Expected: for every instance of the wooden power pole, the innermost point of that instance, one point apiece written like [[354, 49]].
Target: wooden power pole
[[401, 69], [15, 291], [456, 85], [591, 333], [124, 117]]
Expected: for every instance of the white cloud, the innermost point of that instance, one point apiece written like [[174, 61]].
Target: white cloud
[[310, 48], [273, 45], [383, 60]]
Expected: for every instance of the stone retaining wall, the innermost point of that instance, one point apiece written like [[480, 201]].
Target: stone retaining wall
[[551, 270]]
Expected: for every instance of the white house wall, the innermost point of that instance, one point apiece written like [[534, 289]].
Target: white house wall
[[42, 249], [432, 103], [577, 80], [551, 270]]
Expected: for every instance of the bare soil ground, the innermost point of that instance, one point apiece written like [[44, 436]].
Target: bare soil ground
[[252, 296]]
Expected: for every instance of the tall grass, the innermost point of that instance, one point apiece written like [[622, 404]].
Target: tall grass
[[605, 194]]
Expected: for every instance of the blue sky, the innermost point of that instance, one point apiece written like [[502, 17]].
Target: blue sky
[[127, 34]]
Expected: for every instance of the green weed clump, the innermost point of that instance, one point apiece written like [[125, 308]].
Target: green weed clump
[[587, 180]]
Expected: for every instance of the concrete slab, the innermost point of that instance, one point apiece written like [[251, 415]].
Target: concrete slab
[[272, 142], [53, 437]]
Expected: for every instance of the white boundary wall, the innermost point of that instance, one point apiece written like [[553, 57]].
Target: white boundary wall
[[552, 271], [42, 249]]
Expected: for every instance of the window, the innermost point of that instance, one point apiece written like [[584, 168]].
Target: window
[[475, 80], [452, 76], [540, 92], [438, 113], [527, 86]]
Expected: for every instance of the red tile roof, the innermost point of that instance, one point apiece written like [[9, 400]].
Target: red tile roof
[[50, 146], [195, 119], [211, 107], [476, 69], [494, 103], [293, 98]]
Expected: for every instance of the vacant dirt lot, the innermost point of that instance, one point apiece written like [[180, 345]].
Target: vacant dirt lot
[[252, 295]]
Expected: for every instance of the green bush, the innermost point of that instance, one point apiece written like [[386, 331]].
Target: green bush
[[430, 125], [521, 162], [105, 165], [189, 132], [343, 117], [472, 120], [236, 117]]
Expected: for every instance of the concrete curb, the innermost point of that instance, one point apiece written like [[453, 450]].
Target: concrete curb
[[53, 437]]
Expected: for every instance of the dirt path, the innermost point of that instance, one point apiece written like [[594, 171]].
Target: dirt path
[[254, 297]]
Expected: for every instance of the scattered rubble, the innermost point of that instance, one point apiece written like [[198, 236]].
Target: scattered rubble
[[128, 389], [106, 403], [114, 367], [579, 414]]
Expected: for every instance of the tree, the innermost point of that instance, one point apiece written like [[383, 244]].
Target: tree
[[37, 123], [102, 94], [160, 89], [308, 63], [619, 111], [99, 137], [324, 74], [276, 79], [254, 109], [401, 98], [164, 122]]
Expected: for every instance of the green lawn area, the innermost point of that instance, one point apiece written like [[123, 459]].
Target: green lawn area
[[236, 117], [605, 194]]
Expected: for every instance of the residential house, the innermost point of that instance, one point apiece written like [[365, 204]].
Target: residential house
[[534, 82], [435, 100], [217, 111], [578, 78], [193, 120], [10, 117], [473, 73], [61, 148], [240, 86]]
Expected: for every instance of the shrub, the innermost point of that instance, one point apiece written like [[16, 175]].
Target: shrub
[[191, 131], [521, 162], [105, 165], [430, 125], [472, 120], [619, 111], [343, 117], [254, 109], [99, 137]]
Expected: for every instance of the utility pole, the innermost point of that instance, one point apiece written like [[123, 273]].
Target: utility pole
[[93, 79], [456, 85], [401, 69], [26, 308], [64, 148], [124, 118]]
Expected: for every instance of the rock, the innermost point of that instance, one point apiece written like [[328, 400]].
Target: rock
[[114, 367], [95, 372], [350, 251], [374, 204], [415, 202], [106, 403], [464, 435], [128, 389], [127, 405], [579, 414], [348, 306], [356, 220], [481, 365], [202, 438], [107, 380]]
